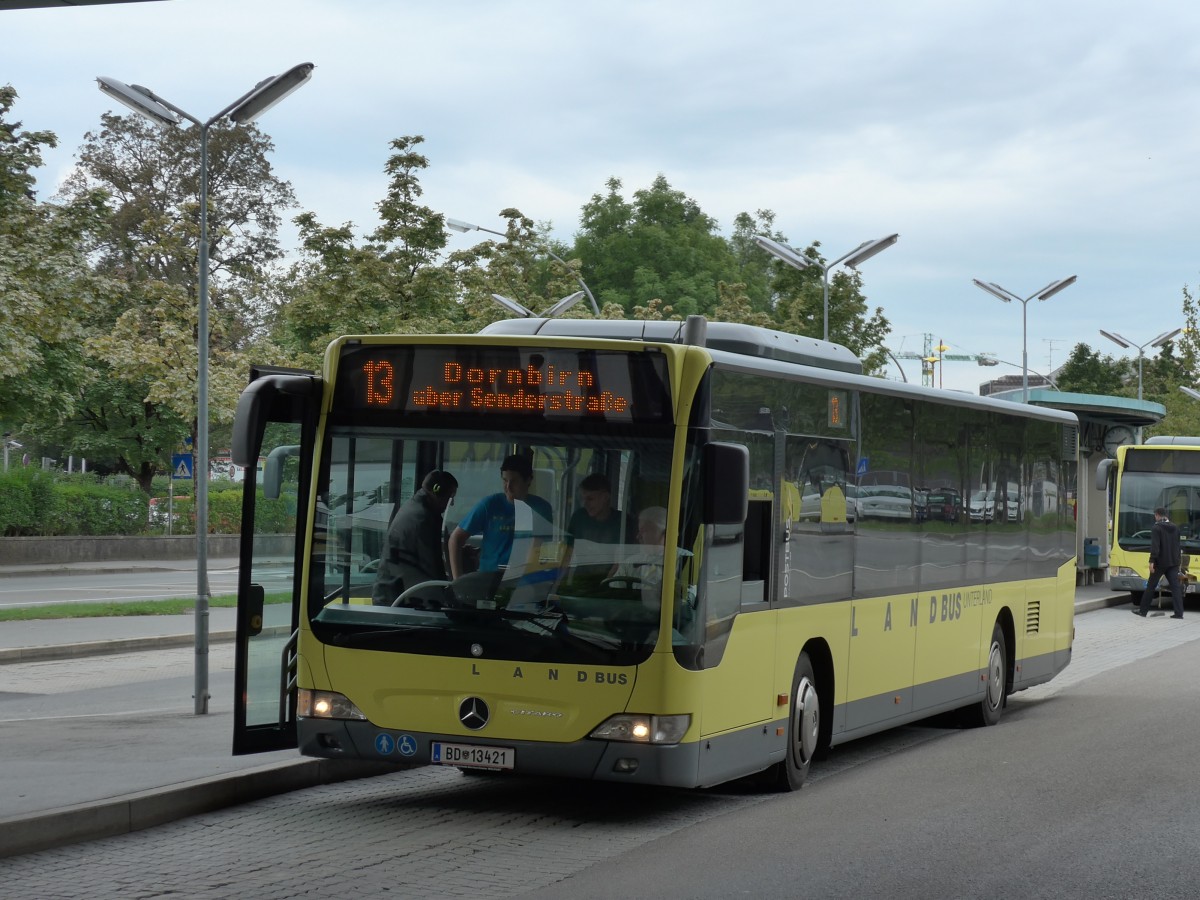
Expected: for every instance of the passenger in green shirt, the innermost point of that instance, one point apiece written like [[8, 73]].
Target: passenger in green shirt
[[591, 545]]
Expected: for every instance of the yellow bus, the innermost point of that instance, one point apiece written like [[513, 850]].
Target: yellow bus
[[785, 617], [1164, 471]]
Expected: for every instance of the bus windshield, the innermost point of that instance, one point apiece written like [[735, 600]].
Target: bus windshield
[[1154, 478], [579, 580]]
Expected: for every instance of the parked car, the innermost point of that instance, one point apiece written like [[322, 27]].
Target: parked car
[[983, 506], [885, 501], [944, 505]]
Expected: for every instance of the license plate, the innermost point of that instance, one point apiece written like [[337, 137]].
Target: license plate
[[472, 756]]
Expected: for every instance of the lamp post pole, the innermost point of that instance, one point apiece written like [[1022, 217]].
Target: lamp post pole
[[1127, 344], [1008, 296], [242, 111], [797, 260], [463, 227]]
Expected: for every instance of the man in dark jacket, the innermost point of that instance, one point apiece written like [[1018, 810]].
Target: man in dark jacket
[[1165, 558], [413, 551]]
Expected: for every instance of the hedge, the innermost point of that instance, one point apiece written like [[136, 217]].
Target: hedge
[[40, 503]]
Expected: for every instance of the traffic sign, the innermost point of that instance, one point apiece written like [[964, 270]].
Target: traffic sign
[[181, 466]]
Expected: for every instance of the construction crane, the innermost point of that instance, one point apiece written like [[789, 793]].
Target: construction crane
[[935, 356]]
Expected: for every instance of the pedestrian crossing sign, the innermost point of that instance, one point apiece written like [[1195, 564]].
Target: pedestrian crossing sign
[[181, 466]]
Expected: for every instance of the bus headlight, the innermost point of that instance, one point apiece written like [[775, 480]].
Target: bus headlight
[[326, 705], [637, 729], [1123, 572]]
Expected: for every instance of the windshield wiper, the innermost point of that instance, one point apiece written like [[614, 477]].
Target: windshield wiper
[[352, 638], [592, 642]]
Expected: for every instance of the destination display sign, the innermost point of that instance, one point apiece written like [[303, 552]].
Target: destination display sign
[[446, 380]]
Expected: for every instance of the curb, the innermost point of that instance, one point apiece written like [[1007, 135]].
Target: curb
[[105, 648], [147, 809]]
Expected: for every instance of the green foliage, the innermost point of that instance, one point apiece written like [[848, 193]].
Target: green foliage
[[49, 291], [133, 390], [661, 256], [1087, 372], [36, 503], [18, 514], [391, 283], [660, 245]]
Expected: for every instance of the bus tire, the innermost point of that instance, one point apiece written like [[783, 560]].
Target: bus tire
[[989, 710], [1135, 597], [804, 729]]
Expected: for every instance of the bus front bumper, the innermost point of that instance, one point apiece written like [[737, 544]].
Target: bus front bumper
[[673, 765]]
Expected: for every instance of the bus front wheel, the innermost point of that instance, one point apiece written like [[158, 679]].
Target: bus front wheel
[[804, 729], [988, 710]]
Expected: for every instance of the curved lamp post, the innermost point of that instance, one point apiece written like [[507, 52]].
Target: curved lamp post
[[1008, 296], [461, 226], [1140, 348], [242, 111], [524, 312], [1127, 344], [853, 259]]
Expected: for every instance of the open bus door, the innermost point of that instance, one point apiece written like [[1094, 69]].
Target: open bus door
[[276, 418]]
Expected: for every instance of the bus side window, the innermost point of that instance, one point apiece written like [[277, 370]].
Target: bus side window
[[756, 552]]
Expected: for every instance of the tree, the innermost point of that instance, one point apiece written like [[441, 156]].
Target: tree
[[1087, 372], [49, 289], [151, 177], [393, 282], [659, 246]]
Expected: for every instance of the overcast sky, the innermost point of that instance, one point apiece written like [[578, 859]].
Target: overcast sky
[[1015, 142]]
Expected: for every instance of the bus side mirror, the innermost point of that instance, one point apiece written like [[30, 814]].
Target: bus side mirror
[[726, 470], [253, 410], [1102, 468]]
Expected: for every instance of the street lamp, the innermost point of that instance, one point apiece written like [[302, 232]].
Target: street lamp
[[1008, 296], [853, 259], [463, 227], [242, 111], [524, 312], [1130, 345], [1127, 344]]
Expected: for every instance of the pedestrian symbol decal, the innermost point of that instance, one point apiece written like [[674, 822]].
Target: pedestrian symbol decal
[[384, 744], [181, 466]]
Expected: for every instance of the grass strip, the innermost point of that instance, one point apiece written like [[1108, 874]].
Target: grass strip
[[173, 607]]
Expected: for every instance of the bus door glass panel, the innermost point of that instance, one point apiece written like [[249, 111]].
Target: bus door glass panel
[[886, 561], [1044, 509], [888, 553], [269, 584], [736, 562], [973, 437], [818, 520], [354, 508], [941, 470], [1006, 554], [946, 614]]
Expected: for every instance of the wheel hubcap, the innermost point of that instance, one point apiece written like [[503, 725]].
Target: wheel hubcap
[[808, 719], [995, 677]]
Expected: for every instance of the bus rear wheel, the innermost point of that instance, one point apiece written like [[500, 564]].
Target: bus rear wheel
[[989, 710], [804, 729]]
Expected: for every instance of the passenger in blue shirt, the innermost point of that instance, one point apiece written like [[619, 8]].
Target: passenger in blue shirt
[[500, 517]]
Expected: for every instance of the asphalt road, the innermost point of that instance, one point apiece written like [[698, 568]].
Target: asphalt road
[[116, 585], [1084, 790]]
